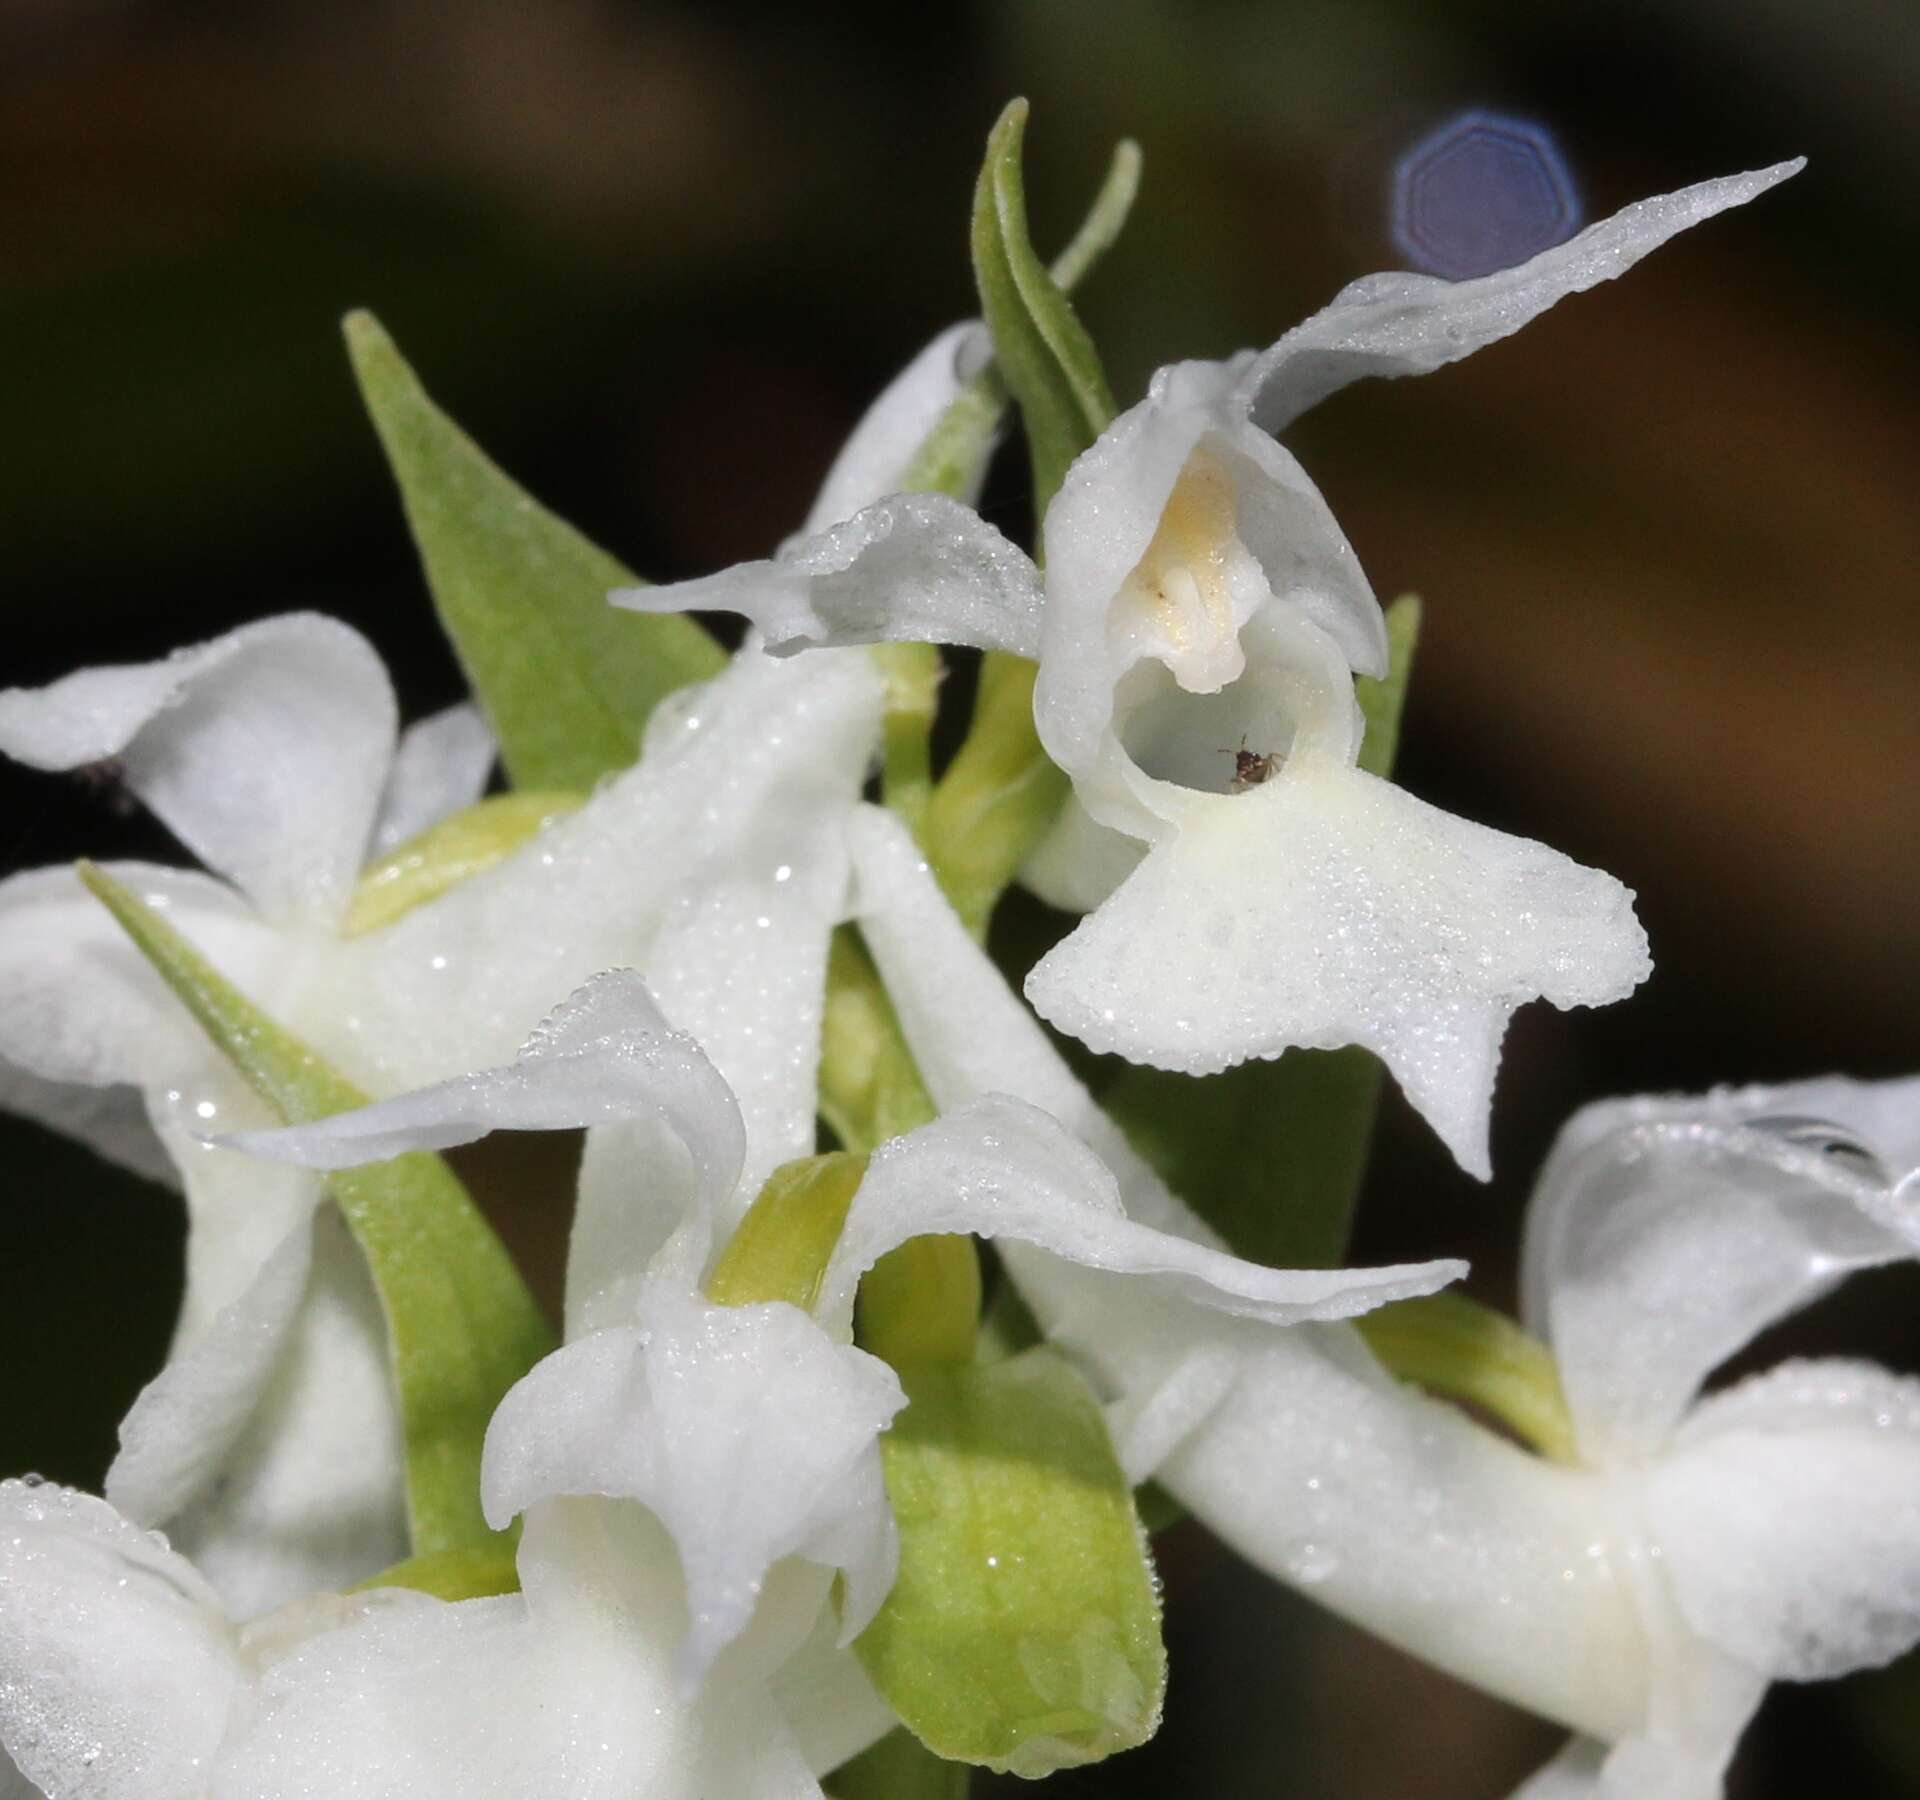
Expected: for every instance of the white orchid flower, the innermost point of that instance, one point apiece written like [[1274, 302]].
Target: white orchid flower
[[1200, 624], [122, 1676], [752, 1431], [1699, 1549], [271, 753]]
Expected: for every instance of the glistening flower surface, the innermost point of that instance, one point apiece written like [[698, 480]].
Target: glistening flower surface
[[1199, 600]]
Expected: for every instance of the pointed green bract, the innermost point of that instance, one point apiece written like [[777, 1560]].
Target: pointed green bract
[[1042, 349], [566, 680], [1461, 1350], [1023, 1631], [461, 1326], [1001, 791], [1271, 1154]]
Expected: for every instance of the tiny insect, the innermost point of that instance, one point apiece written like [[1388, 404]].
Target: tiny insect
[[1251, 767], [106, 781]]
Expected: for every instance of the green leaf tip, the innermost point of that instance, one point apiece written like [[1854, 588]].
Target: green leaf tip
[[1023, 1631], [461, 1326], [1042, 349], [567, 680]]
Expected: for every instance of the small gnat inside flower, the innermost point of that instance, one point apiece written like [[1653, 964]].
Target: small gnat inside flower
[[1252, 767]]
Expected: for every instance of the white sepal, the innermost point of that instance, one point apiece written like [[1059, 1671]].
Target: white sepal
[[746, 1430], [441, 765], [264, 751], [117, 1667], [876, 458], [913, 568]]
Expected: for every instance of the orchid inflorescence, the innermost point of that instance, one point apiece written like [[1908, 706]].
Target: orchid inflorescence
[[802, 1490]]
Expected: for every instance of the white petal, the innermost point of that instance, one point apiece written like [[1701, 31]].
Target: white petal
[[746, 1430], [831, 1706], [269, 1445], [604, 1053], [968, 1031], [442, 765], [1327, 907], [110, 1121], [1788, 1511], [265, 751], [1636, 1769], [1400, 324], [565, 1690], [312, 1494], [1080, 861], [1655, 1250], [916, 568], [78, 1003], [744, 780], [185, 1423], [1004, 1169], [1406, 1517], [117, 1669], [875, 460]]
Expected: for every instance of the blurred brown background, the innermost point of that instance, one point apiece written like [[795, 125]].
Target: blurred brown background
[[658, 257]]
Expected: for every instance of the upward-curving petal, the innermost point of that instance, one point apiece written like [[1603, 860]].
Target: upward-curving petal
[[265, 752], [603, 1056], [1400, 324], [1328, 907], [915, 568], [1004, 1169], [877, 458], [1665, 1233], [441, 765], [1788, 1514], [746, 1430]]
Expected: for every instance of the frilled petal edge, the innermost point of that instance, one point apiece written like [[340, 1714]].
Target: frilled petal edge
[[914, 568], [1328, 907]]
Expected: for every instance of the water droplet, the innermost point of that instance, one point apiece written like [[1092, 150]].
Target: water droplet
[[1824, 1138], [1309, 1563]]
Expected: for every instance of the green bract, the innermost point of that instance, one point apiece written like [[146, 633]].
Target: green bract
[[780, 1250], [566, 680], [1023, 1631], [461, 1325], [1461, 1350]]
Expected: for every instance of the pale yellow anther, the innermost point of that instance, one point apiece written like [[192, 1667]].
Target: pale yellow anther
[[1181, 581]]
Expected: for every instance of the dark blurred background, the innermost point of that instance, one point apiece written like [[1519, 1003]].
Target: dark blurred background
[[657, 258]]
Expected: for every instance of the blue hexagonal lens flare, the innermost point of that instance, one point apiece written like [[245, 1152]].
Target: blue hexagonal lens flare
[[1481, 193]]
